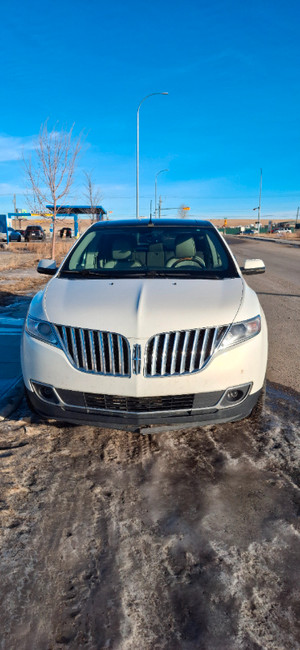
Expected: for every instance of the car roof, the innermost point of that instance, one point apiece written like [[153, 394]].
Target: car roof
[[171, 223]]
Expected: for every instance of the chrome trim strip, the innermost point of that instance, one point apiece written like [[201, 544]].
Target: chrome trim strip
[[194, 351], [154, 355], [184, 351], [164, 354], [111, 354], [64, 336], [101, 348], [74, 346], [203, 349], [214, 341], [174, 353], [121, 356], [92, 347], [83, 350]]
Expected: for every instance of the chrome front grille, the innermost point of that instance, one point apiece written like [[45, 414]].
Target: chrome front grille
[[182, 352], [104, 353]]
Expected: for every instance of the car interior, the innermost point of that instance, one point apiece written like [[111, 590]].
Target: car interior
[[152, 249]]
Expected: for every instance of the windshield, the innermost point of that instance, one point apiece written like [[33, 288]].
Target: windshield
[[154, 251]]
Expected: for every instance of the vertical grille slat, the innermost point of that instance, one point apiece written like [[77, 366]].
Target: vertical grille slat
[[105, 353], [121, 356], [83, 349], [92, 348], [101, 350], [174, 353], [182, 352], [194, 350], [215, 339], [203, 350], [111, 354], [74, 346], [164, 354], [154, 356]]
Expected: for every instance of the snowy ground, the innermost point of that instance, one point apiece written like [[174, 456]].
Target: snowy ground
[[182, 540]]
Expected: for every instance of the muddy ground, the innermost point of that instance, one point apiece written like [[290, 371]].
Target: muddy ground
[[176, 541], [183, 540]]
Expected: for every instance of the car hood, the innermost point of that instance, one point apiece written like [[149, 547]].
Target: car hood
[[139, 308]]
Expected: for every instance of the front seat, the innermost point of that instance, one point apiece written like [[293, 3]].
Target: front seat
[[122, 255], [185, 253]]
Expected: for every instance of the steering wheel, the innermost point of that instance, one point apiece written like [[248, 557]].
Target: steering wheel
[[193, 260]]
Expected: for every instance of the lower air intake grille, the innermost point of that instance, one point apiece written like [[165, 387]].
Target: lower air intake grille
[[139, 404], [104, 353], [182, 352]]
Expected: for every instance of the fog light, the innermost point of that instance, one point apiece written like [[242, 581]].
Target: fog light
[[45, 392], [235, 395]]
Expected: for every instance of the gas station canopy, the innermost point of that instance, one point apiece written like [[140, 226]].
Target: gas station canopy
[[78, 209]]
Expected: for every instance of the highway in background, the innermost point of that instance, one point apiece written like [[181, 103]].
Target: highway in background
[[279, 293]]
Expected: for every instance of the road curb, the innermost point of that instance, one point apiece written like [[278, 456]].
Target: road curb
[[268, 239], [11, 398]]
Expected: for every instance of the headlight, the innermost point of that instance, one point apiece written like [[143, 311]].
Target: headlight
[[239, 332], [42, 330]]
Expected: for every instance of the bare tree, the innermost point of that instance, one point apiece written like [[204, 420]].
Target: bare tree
[[92, 194], [182, 211], [51, 171]]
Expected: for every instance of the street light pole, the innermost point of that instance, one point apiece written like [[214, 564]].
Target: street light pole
[[138, 148], [259, 205], [156, 175]]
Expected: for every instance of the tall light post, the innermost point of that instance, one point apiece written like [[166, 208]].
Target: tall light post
[[138, 148], [259, 206], [156, 175]]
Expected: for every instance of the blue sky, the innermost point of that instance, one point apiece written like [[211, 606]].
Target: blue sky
[[232, 73]]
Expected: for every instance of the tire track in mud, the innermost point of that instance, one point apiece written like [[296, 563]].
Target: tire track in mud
[[181, 540]]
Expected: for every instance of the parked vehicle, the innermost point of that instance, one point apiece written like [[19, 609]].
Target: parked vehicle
[[146, 323], [65, 232], [34, 233], [281, 231], [13, 235]]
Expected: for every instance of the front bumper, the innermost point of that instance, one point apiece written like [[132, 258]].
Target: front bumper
[[195, 410]]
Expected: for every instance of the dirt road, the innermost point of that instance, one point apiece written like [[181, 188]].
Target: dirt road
[[182, 540]]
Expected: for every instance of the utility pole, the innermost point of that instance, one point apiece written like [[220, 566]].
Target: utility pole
[[159, 206], [151, 210], [15, 209], [297, 215], [259, 205]]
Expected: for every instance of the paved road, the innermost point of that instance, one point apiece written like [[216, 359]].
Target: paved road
[[279, 293]]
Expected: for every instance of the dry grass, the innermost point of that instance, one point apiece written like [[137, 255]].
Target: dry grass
[[23, 255], [22, 286]]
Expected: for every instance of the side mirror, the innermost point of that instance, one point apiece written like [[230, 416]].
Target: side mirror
[[48, 267], [251, 267]]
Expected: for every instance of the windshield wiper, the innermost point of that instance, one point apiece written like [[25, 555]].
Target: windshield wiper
[[83, 273]]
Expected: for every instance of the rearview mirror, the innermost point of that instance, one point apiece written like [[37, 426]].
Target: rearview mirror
[[48, 267], [251, 267]]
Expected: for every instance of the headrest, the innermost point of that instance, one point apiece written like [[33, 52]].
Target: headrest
[[185, 246], [122, 248], [156, 248]]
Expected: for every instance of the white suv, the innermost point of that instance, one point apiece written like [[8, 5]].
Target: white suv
[[146, 323]]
